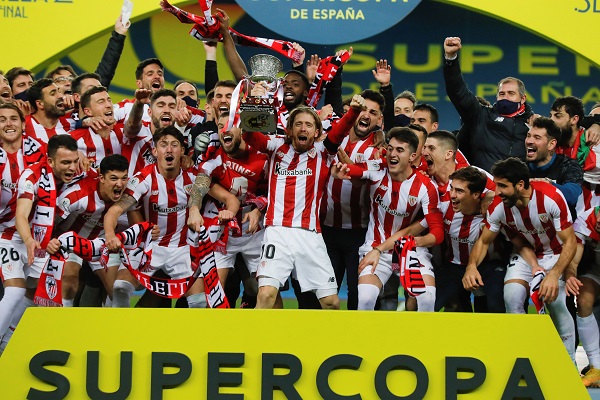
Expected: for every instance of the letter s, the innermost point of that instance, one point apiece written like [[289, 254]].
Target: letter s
[[37, 368]]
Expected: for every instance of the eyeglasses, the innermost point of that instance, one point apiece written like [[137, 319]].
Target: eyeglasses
[[63, 79]]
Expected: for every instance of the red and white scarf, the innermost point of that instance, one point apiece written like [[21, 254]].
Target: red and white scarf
[[405, 259], [326, 71], [43, 215], [534, 291], [206, 28]]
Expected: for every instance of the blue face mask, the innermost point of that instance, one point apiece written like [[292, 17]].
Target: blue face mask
[[506, 107], [190, 102], [401, 120]]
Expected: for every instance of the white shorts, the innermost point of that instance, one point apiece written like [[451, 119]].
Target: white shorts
[[113, 260], [13, 259], [299, 252], [384, 267], [246, 245], [519, 269], [175, 261]]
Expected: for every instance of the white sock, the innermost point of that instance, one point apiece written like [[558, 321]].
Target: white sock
[[122, 291], [563, 321], [108, 302], [367, 296], [514, 298], [426, 301], [68, 302], [17, 315], [197, 300], [590, 338], [8, 305]]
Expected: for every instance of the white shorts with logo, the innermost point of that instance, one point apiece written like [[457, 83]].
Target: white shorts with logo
[[246, 245], [384, 268], [301, 253], [519, 269], [13, 259]]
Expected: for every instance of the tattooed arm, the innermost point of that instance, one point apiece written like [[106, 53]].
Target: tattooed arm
[[200, 188], [125, 203]]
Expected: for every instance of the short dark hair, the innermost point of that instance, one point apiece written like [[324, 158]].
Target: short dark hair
[[162, 93], [139, 70], [168, 131], [513, 170], [114, 162], [12, 74], [56, 70], [76, 85], [226, 83], [447, 138], [476, 180], [552, 130], [86, 98], [415, 127], [210, 96], [58, 141], [404, 135], [301, 75], [11, 106], [35, 91], [573, 106], [433, 112], [372, 95]]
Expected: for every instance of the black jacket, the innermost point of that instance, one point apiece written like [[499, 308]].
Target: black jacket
[[490, 137]]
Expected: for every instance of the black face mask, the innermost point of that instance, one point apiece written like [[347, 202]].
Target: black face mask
[[190, 102], [506, 107], [401, 120], [22, 96]]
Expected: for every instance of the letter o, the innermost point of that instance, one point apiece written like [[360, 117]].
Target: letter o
[[402, 362]]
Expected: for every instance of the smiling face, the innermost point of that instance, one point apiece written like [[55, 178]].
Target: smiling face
[[101, 106], [21, 83], [162, 111], [368, 119], [399, 156], [11, 126], [461, 198], [222, 99], [152, 78], [303, 132], [231, 140], [435, 155], [508, 192], [539, 146]]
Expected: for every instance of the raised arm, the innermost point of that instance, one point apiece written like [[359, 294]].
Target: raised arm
[[125, 203], [233, 57], [133, 125]]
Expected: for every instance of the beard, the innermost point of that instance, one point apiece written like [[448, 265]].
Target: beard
[[566, 134]]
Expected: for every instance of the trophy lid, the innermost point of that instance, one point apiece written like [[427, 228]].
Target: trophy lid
[[264, 67]]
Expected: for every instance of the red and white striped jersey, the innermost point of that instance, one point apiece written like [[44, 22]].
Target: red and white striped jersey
[[37, 131], [241, 176], [546, 213], [138, 151], [165, 202], [11, 167], [460, 233], [82, 209], [296, 184], [95, 147], [345, 203], [444, 189], [395, 205], [122, 109]]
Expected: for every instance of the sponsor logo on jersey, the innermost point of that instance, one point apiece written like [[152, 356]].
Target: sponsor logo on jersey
[[167, 210], [91, 154], [383, 187], [92, 221], [499, 119], [133, 182], [373, 165], [148, 157], [379, 200], [280, 154], [65, 203], [9, 185], [154, 193], [292, 172]]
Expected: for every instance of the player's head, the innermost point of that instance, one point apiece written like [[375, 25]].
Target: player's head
[[163, 105], [295, 89], [439, 151], [168, 148], [12, 124], [401, 149], [149, 74], [303, 127], [466, 189], [511, 177], [63, 157], [113, 177]]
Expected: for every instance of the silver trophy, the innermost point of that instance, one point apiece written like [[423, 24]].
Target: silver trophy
[[258, 114]]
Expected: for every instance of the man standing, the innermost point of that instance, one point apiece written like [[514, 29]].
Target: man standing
[[498, 132], [535, 213], [299, 168], [344, 209]]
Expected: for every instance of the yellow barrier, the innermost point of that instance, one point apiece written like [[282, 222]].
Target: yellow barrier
[[276, 354]]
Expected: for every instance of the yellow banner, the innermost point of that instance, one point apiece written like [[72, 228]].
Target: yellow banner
[[77, 353], [569, 23]]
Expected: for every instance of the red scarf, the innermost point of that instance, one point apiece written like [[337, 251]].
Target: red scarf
[[327, 69], [43, 216], [404, 259], [534, 291], [207, 28], [49, 289]]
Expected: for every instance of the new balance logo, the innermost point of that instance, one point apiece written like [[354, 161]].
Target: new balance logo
[[331, 279]]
